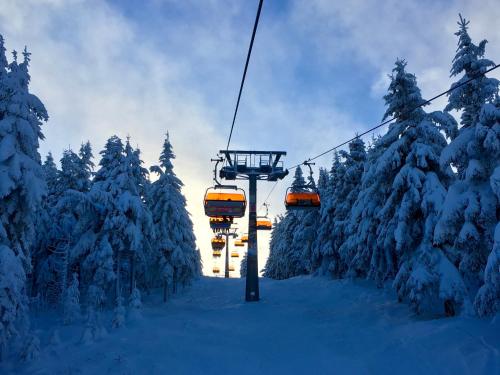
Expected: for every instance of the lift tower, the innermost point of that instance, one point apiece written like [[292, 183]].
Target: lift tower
[[252, 166], [231, 232]]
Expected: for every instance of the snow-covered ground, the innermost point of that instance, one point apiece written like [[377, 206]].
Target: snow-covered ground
[[301, 326]]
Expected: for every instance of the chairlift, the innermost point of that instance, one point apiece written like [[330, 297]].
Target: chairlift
[[216, 270], [239, 243], [220, 223], [304, 196], [217, 253], [219, 202], [263, 222], [218, 243], [244, 238], [231, 267], [235, 254]]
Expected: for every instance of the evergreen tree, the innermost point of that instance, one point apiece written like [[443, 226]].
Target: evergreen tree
[[290, 245], [135, 305], [345, 181], [44, 226], [390, 229], [305, 233], [277, 263], [118, 225], [243, 266], [469, 61], [323, 246], [487, 301], [298, 180], [410, 211], [363, 222], [346, 192], [175, 239], [466, 224], [324, 192], [59, 225], [69, 173], [50, 173], [85, 172], [22, 187], [119, 313]]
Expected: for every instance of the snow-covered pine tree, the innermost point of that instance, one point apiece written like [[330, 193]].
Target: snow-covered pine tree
[[466, 224], [86, 170], [175, 239], [43, 226], [323, 246], [276, 264], [69, 173], [286, 258], [139, 178], [345, 185], [243, 265], [316, 250], [59, 224], [415, 187], [50, 173], [362, 225], [469, 98], [305, 236], [135, 305], [119, 227], [119, 313], [22, 188], [354, 167], [487, 301]]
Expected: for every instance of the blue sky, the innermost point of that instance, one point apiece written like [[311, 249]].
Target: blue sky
[[317, 75]]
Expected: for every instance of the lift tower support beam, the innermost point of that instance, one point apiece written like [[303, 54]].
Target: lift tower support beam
[[252, 166]]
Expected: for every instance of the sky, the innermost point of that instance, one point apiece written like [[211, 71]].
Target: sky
[[316, 78]]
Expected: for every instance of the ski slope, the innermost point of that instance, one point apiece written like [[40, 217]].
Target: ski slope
[[302, 325]]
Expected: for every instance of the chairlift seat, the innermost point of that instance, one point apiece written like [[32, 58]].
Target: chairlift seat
[[264, 224], [302, 200], [223, 204]]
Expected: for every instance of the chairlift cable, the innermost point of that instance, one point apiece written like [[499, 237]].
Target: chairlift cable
[[453, 88], [245, 70]]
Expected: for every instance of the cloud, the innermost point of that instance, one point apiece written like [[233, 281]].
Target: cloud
[[316, 76], [371, 34], [97, 78]]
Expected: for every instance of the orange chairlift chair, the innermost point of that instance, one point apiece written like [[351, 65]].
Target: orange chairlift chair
[[226, 201], [263, 222], [218, 243], [220, 223], [304, 196], [225, 204], [235, 254], [239, 243]]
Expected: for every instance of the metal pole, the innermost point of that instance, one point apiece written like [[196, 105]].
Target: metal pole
[[226, 271], [252, 279]]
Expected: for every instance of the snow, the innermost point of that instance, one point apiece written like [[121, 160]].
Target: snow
[[300, 324]]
